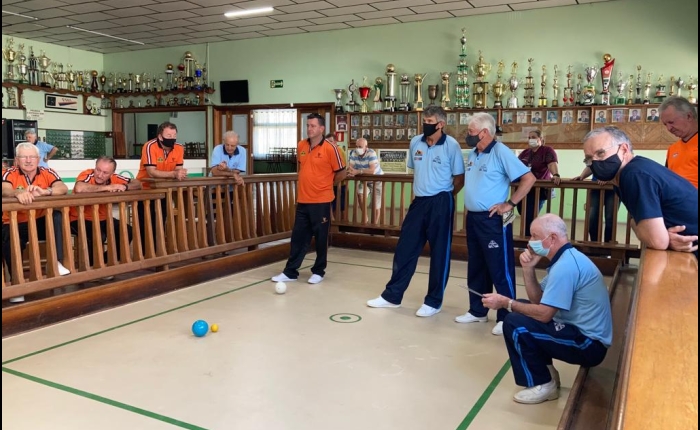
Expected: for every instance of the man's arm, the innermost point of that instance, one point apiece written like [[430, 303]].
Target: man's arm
[[58, 188], [179, 173], [586, 173], [134, 185], [653, 233], [51, 153], [526, 182], [25, 197], [84, 187], [457, 183], [340, 176]]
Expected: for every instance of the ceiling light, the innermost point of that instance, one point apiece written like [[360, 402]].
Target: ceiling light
[[19, 14], [248, 12], [105, 35]]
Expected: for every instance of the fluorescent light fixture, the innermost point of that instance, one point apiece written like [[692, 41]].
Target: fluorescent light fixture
[[248, 12], [105, 35], [19, 14]]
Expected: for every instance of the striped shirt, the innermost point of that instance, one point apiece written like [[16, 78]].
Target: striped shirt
[[363, 162]]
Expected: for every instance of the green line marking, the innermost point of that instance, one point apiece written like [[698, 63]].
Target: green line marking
[[467, 421], [106, 401]]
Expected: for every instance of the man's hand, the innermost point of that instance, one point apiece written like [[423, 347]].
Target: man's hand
[[529, 259], [239, 180], [495, 301], [679, 242], [222, 166], [500, 208], [352, 171], [116, 188], [181, 174], [577, 178], [601, 183], [25, 197], [556, 180]]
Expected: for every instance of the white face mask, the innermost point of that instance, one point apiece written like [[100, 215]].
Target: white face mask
[[532, 143], [360, 151]]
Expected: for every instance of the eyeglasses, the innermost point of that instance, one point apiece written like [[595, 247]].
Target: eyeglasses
[[27, 157], [598, 155]]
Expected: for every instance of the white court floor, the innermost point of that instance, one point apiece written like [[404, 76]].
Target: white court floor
[[314, 358]]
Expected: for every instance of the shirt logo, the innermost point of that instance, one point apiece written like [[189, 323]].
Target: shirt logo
[[559, 326], [493, 244], [437, 160], [160, 159], [483, 168], [675, 155], [302, 153], [418, 153]]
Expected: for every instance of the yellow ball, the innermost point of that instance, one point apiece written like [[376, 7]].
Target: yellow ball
[[214, 328]]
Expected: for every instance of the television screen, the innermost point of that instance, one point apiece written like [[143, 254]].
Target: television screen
[[234, 91]]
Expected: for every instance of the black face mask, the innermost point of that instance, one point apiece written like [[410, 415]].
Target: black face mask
[[168, 143], [605, 170], [429, 129], [472, 141]]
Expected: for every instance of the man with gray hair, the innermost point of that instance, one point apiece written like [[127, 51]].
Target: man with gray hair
[[663, 205], [229, 159], [567, 316], [364, 164], [46, 151], [681, 119], [491, 167]]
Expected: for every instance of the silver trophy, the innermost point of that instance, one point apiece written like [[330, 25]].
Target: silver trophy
[[513, 84], [339, 93], [33, 68], [22, 68], [390, 90], [404, 93], [352, 104], [589, 89], [445, 99], [679, 84], [621, 85]]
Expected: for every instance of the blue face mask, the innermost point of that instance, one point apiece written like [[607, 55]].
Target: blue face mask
[[537, 248]]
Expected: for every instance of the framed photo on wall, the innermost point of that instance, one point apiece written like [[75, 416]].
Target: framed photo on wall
[[341, 122]]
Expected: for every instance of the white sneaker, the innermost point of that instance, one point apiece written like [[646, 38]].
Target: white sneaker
[[282, 278], [62, 270], [469, 318], [18, 299], [498, 329], [538, 394], [315, 279], [108, 278], [426, 311], [555, 374], [379, 302]]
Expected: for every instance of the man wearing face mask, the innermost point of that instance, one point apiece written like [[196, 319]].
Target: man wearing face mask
[[491, 167], [567, 316], [663, 205], [161, 158], [363, 165], [438, 176]]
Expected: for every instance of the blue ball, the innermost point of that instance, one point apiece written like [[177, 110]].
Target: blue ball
[[200, 328]]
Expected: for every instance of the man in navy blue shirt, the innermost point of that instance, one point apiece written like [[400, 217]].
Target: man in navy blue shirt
[[438, 176], [663, 205]]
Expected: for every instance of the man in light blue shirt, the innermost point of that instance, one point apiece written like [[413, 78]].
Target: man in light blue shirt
[[363, 164], [46, 151], [491, 167], [567, 318], [438, 176], [229, 159]]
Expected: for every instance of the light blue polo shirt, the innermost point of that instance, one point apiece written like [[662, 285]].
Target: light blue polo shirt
[[44, 149], [488, 176], [575, 286], [236, 161], [434, 166]]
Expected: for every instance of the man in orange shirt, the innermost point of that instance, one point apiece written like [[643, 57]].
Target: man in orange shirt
[[101, 179], [25, 181], [320, 167], [162, 158], [681, 119]]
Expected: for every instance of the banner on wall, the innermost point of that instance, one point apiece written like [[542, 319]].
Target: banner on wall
[[61, 102], [393, 160]]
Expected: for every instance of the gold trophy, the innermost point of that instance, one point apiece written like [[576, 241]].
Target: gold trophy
[[418, 80], [630, 90], [647, 90], [660, 90], [672, 92], [555, 86], [529, 85], [692, 85], [499, 87], [568, 90], [513, 83], [542, 102], [481, 87], [445, 100], [9, 55], [638, 86], [71, 76]]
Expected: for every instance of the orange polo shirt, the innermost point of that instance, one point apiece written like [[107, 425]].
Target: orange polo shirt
[[155, 154], [317, 168], [682, 158], [88, 176], [45, 177]]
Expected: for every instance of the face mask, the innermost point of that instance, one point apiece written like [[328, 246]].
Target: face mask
[[605, 170], [168, 143], [429, 129], [360, 151], [537, 248], [472, 141], [532, 143]]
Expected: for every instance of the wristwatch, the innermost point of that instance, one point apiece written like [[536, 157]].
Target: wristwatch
[[556, 175], [510, 305], [50, 190], [510, 202]]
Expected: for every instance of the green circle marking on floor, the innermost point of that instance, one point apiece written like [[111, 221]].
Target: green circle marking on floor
[[345, 318]]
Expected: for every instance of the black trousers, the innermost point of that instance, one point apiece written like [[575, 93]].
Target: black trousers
[[103, 239], [311, 220], [142, 220], [24, 237]]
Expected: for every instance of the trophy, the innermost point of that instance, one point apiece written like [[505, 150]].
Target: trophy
[[93, 83], [169, 85], [589, 89], [189, 69], [71, 76], [33, 68], [378, 102], [352, 104], [529, 86], [103, 82], [542, 101], [568, 90], [11, 98], [405, 89], [445, 100], [679, 85], [44, 63], [9, 55], [21, 67], [364, 95], [513, 85], [481, 88], [197, 76], [692, 85], [432, 94], [579, 90], [660, 90], [621, 84], [390, 94], [606, 76], [462, 86], [61, 78], [647, 90], [555, 86], [638, 86], [499, 87], [339, 93], [630, 90], [672, 92], [418, 92], [137, 83]]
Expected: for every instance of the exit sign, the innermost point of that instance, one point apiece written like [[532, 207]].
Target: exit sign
[[279, 83]]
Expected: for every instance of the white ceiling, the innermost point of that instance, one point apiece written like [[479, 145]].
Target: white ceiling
[[163, 23]]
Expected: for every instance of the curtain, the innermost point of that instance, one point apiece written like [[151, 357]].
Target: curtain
[[273, 128]]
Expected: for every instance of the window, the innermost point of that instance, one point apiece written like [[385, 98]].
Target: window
[[273, 128]]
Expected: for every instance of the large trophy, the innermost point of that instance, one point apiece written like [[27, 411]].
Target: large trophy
[[364, 95], [606, 76], [513, 85], [621, 84], [555, 87], [339, 93], [529, 85], [647, 90], [568, 90], [481, 87], [445, 100], [630, 90], [9, 55], [672, 92], [462, 86], [589, 89], [71, 76], [169, 84], [390, 92], [692, 85], [378, 102], [189, 71], [404, 93], [418, 79], [679, 85], [638, 86], [33, 68], [499, 87], [579, 90], [432, 94], [352, 104], [660, 90], [21, 66], [542, 101]]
